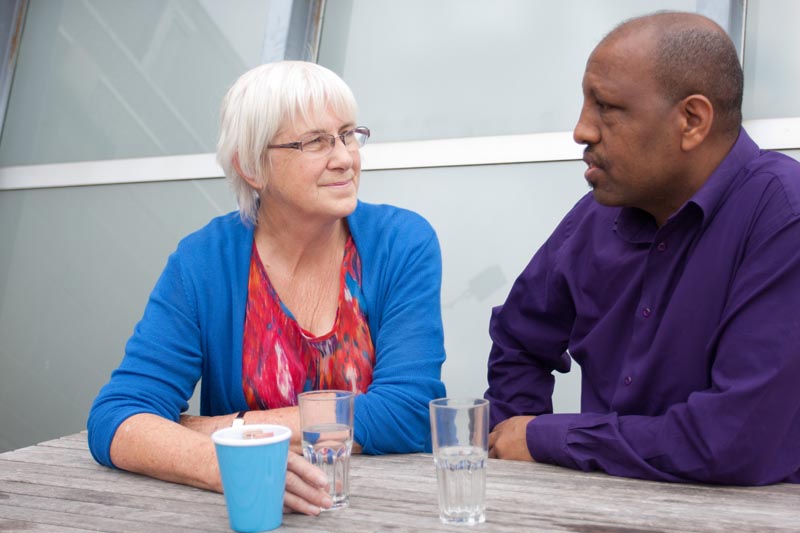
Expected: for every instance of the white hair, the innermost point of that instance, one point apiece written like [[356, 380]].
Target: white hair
[[258, 105]]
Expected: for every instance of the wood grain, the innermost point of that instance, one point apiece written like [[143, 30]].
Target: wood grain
[[57, 486]]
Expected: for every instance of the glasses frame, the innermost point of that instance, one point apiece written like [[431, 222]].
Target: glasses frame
[[298, 145]]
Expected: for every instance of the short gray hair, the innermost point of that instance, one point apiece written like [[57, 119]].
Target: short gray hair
[[262, 101], [694, 55]]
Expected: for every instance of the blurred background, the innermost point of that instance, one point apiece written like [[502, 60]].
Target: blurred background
[[109, 121]]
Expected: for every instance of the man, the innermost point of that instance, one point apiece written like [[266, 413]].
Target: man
[[675, 284]]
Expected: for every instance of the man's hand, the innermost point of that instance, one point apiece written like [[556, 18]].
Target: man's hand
[[306, 487], [508, 440]]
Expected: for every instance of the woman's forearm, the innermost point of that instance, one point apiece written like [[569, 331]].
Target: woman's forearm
[[207, 424], [285, 416], [150, 445]]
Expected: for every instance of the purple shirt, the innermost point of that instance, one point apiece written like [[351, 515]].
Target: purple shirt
[[688, 335]]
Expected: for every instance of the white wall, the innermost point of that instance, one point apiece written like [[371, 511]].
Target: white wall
[[490, 220], [77, 263]]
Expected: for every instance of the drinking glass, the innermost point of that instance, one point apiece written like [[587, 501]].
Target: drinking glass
[[326, 420], [460, 432]]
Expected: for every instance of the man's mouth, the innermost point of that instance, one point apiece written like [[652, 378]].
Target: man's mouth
[[593, 167], [590, 159]]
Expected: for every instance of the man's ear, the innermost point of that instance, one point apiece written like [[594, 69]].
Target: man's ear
[[697, 117], [251, 180]]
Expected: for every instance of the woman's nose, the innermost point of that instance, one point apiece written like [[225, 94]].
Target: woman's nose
[[341, 155]]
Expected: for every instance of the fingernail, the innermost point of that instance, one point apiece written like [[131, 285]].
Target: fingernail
[[327, 501]]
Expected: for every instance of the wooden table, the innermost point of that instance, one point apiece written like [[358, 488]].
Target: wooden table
[[56, 486]]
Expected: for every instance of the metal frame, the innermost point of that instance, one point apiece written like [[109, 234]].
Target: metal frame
[[731, 15], [294, 28], [12, 18], [772, 134]]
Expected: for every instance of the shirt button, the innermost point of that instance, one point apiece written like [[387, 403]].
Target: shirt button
[[661, 246], [646, 312], [628, 380]]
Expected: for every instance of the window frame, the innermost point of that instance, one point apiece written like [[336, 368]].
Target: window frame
[[772, 134]]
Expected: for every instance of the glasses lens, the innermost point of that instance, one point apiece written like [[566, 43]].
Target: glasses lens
[[354, 138], [323, 143], [320, 142], [360, 135]]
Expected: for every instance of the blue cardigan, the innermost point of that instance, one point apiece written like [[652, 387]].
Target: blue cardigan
[[193, 324]]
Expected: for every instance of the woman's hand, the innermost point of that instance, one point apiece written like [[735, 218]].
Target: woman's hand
[[306, 487], [153, 446]]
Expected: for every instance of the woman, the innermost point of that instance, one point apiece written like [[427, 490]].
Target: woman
[[305, 288]]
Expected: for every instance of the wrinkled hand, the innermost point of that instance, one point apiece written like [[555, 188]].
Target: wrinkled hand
[[509, 441], [306, 487]]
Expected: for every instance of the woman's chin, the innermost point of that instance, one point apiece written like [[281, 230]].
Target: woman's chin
[[342, 207]]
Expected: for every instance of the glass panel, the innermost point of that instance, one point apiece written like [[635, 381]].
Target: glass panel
[[76, 268], [77, 265], [524, 204], [463, 68], [108, 79], [795, 154], [771, 58]]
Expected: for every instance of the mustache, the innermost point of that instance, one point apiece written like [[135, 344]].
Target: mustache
[[592, 159]]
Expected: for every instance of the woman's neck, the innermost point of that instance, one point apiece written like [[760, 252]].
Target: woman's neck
[[299, 244], [303, 262]]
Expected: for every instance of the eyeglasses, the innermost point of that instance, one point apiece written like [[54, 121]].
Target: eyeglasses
[[324, 143]]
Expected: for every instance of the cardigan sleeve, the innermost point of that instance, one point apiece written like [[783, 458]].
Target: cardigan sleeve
[[161, 367], [406, 329]]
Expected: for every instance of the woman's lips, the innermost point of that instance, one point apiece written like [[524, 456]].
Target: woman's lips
[[342, 183]]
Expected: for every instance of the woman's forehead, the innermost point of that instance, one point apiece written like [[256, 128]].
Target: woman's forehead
[[318, 118]]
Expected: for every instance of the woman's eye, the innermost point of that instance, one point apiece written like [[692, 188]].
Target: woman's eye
[[314, 144]]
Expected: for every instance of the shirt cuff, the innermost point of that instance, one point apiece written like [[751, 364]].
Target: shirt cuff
[[547, 438]]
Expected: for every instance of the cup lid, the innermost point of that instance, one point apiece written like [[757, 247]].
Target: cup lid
[[251, 435]]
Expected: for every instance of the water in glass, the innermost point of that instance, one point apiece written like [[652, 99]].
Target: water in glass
[[328, 446], [461, 473]]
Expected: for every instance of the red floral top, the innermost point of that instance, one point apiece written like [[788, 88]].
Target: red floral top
[[280, 359]]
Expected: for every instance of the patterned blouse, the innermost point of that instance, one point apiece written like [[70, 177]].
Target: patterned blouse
[[280, 359]]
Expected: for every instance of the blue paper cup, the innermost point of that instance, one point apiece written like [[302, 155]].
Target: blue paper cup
[[252, 463]]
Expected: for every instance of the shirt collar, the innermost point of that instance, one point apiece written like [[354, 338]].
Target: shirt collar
[[636, 226], [712, 193]]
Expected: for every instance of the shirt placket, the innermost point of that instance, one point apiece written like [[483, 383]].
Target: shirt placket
[[660, 268]]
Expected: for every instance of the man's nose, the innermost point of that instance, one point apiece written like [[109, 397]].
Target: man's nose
[[585, 132]]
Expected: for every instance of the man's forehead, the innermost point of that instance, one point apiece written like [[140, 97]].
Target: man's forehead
[[627, 54], [634, 39]]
